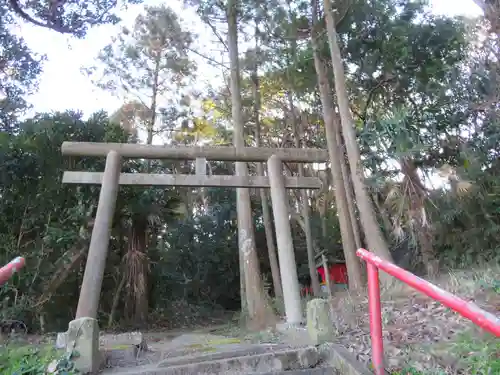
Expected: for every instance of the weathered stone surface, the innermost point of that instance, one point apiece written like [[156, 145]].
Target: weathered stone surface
[[307, 358], [61, 340], [123, 339], [341, 360], [284, 241], [294, 335], [120, 355], [83, 337], [309, 371], [248, 154], [209, 353], [161, 179], [319, 324], [109, 341], [274, 361], [202, 339], [149, 370]]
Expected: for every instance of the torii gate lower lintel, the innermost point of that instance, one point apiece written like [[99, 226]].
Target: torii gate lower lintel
[[111, 178]]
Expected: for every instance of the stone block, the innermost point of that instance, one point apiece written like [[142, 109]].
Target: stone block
[[294, 335], [121, 355], [338, 358], [319, 322], [61, 340], [82, 338], [123, 339], [267, 362], [307, 358]]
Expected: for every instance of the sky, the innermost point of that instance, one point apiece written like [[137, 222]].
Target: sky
[[63, 86]]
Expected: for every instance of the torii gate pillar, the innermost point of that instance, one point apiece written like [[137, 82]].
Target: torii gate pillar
[[90, 292], [286, 256]]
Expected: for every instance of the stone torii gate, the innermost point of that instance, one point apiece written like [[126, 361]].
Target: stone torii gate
[[83, 331]]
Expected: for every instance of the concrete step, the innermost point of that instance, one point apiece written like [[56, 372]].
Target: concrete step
[[234, 353], [285, 361], [158, 371], [308, 371], [292, 359], [326, 359]]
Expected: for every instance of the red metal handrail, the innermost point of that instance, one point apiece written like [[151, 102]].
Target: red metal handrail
[[7, 271], [470, 310]]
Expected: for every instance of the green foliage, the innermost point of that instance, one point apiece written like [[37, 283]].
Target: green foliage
[[49, 225], [70, 16], [479, 356], [203, 264], [408, 371], [19, 71], [26, 360], [419, 91], [476, 356], [468, 229], [150, 67]]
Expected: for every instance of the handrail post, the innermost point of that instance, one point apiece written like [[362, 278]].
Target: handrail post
[[469, 310], [375, 311]]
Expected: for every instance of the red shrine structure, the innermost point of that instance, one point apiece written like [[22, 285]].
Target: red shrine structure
[[337, 273]]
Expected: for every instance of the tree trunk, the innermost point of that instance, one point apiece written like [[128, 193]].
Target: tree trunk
[[154, 99], [413, 185], [311, 262], [259, 312], [298, 131], [137, 259], [347, 185], [373, 234], [383, 214], [116, 300], [491, 10], [348, 242], [266, 211], [271, 247], [137, 267]]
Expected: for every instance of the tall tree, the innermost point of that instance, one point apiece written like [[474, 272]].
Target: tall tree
[[19, 70], [150, 65], [348, 240], [264, 197], [298, 134], [373, 233], [348, 186], [491, 10], [69, 16], [258, 310]]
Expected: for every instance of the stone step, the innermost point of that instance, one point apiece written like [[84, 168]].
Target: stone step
[[152, 370], [229, 363], [227, 352], [308, 371], [284, 360]]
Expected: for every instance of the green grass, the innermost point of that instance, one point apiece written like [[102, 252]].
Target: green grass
[[478, 356], [408, 371], [31, 360], [413, 371]]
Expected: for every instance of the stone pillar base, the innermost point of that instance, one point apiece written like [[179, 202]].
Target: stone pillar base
[[319, 323], [82, 337]]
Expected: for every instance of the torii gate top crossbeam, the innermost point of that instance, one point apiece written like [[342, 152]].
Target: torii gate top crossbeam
[[248, 154]]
